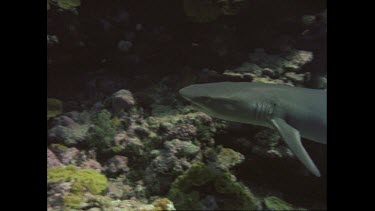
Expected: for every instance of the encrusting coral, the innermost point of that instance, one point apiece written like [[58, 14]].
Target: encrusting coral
[[81, 180]]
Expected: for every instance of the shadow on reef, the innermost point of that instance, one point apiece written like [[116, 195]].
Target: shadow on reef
[[280, 176]]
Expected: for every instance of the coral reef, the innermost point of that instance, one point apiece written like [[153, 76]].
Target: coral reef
[[52, 159], [121, 100], [117, 165], [123, 138], [79, 181], [190, 189], [67, 131], [170, 162], [101, 134], [272, 68], [269, 144]]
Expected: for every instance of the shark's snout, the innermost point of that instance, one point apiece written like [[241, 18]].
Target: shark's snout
[[186, 93]]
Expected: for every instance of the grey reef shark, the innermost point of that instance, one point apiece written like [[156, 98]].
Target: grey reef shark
[[294, 112]]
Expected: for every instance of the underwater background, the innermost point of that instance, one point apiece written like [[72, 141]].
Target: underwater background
[[120, 137]]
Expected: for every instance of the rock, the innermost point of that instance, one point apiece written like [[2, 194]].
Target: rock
[[228, 158], [117, 189], [133, 147], [70, 135], [122, 100], [261, 64], [82, 186], [142, 132], [163, 204], [65, 121], [269, 144], [52, 159], [269, 72], [297, 79], [117, 164], [91, 164], [136, 205], [69, 156], [272, 81], [56, 194], [97, 107], [120, 138], [95, 209], [52, 40], [183, 148], [159, 174], [183, 132]]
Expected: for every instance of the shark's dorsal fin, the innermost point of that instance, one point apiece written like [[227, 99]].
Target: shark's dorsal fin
[[292, 137]]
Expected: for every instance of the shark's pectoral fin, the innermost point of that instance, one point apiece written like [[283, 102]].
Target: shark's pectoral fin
[[292, 137]]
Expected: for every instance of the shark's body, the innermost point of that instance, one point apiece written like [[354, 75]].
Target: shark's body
[[292, 111]]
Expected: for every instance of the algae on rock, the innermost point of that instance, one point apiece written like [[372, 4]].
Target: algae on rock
[[81, 181], [190, 189], [54, 108]]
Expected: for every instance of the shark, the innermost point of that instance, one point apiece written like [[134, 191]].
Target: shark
[[294, 112]]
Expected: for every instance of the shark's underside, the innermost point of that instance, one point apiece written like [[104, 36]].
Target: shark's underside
[[292, 111]]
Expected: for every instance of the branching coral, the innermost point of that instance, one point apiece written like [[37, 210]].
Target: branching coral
[[103, 131]]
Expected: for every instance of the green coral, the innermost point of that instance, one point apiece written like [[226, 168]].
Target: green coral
[[188, 189], [239, 194], [102, 132], [275, 203], [101, 201], [58, 147], [189, 149], [85, 179], [228, 158], [198, 175], [68, 4], [163, 204], [223, 158], [73, 200], [116, 121], [54, 108], [185, 201]]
